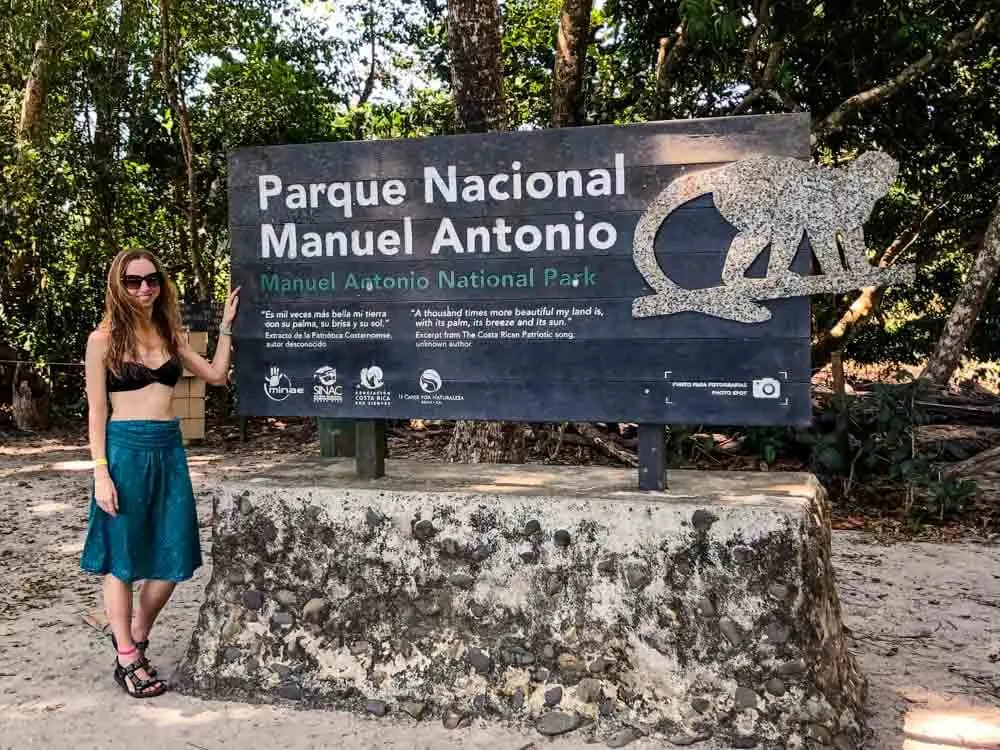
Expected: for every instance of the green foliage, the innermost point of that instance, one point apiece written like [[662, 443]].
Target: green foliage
[[711, 20], [874, 444], [944, 128], [528, 56], [106, 170], [879, 441], [768, 443], [680, 441]]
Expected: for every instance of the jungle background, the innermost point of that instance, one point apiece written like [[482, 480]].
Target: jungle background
[[116, 116]]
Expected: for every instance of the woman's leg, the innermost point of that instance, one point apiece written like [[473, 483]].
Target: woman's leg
[[118, 603], [153, 595]]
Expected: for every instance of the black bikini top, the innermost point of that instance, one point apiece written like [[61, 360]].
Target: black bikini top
[[135, 375]]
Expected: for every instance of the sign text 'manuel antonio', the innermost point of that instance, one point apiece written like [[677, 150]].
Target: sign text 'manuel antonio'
[[445, 188]]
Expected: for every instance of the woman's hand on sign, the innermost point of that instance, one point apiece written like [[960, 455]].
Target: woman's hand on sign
[[232, 303], [105, 493]]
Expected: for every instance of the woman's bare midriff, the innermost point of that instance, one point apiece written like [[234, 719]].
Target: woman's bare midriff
[[152, 402]]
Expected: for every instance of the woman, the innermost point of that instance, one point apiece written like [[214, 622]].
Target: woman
[[143, 524]]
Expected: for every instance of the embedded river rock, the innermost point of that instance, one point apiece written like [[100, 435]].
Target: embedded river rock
[[555, 597]]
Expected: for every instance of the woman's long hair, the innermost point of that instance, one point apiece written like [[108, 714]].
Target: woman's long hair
[[123, 315]]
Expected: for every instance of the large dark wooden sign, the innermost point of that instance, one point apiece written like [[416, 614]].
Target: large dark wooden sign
[[494, 277]]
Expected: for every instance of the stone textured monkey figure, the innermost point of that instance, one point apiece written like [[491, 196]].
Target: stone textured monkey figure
[[772, 201]]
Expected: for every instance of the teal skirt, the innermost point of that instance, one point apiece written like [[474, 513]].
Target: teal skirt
[[154, 536]]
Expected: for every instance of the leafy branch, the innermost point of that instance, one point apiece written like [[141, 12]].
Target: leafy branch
[[877, 94]]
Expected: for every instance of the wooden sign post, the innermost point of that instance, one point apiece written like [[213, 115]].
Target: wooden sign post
[[652, 457]]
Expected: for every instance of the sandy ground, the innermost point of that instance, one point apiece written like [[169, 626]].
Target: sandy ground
[[925, 620]]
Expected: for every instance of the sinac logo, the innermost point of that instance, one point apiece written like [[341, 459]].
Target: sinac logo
[[430, 381], [325, 388], [326, 375], [277, 386], [372, 377]]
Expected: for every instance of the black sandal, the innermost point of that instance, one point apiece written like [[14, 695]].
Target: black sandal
[[142, 646], [126, 676]]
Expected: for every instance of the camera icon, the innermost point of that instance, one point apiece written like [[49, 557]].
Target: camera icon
[[766, 388]]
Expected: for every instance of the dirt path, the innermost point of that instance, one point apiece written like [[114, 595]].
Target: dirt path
[[925, 620]]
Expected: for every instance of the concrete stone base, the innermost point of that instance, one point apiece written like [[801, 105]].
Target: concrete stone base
[[560, 598]]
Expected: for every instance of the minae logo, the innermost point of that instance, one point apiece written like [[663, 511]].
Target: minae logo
[[278, 386]]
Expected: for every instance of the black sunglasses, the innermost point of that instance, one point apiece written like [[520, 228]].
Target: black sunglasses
[[134, 283]]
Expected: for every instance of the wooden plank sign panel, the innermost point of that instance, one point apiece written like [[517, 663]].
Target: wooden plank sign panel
[[492, 277]]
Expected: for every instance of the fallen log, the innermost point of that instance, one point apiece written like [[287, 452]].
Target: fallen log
[[973, 409], [987, 462], [605, 444], [955, 442]]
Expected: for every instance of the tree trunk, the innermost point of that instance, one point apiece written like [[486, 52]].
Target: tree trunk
[[168, 63], [567, 111], [109, 97], [476, 72], [477, 80], [571, 56], [31, 400], [672, 50], [486, 443], [962, 320], [33, 104], [8, 358]]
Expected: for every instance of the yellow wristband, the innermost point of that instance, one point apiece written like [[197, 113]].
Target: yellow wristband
[[100, 462]]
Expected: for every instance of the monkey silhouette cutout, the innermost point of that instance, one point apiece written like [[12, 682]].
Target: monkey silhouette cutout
[[772, 202]]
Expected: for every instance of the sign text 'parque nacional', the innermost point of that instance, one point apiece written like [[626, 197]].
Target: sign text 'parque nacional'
[[597, 273]]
